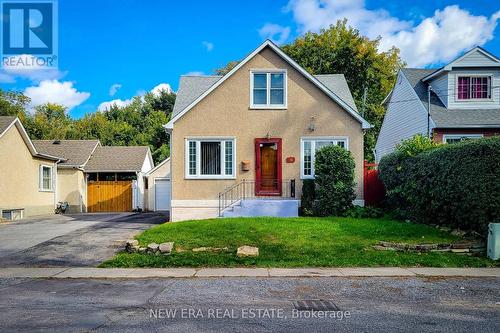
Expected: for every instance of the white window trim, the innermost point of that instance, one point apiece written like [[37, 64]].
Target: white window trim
[[313, 140], [198, 141], [40, 178], [488, 75], [269, 106], [459, 136]]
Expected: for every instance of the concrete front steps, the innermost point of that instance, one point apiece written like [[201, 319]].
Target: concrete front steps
[[264, 207]]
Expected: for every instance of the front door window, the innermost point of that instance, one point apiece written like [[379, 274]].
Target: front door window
[[268, 177]]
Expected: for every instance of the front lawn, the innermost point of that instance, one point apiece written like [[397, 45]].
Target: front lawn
[[294, 242]]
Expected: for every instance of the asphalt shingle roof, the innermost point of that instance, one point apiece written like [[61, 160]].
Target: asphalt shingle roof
[[191, 87], [5, 122], [117, 158], [442, 116], [75, 152]]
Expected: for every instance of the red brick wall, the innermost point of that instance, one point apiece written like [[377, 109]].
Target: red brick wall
[[437, 134]]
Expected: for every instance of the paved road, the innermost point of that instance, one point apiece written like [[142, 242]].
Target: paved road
[[374, 304], [69, 240]]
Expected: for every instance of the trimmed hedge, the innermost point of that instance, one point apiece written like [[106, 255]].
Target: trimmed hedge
[[334, 179], [456, 185]]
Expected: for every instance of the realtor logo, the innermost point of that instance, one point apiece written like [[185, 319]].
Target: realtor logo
[[29, 33]]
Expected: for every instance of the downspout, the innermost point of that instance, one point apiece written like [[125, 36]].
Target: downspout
[[429, 89]]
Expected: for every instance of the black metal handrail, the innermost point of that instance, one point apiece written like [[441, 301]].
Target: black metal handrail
[[253, 189]]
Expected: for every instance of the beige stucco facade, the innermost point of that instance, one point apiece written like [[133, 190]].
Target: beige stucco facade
[[20, 177], [72, 188], [226, 113]]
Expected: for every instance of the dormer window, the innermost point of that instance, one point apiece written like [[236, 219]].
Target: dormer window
[[268, 89], [473, 87]]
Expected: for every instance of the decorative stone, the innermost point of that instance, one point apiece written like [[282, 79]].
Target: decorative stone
[[458, 232], [166, 248], [132, 242], [461, 246], [383, 248], [209, 249], [247, 251], [142, 250], [153, 247], [459, 250]]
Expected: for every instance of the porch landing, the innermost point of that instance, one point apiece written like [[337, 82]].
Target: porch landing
[[264, 207]]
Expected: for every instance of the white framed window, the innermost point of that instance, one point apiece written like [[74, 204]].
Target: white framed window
[[210, 158], [45, 178], [473, 87], [454, 138], [268, 89], [308, 148]]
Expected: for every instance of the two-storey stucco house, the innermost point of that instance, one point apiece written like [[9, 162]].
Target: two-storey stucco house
[[252, 135], [458, 101]]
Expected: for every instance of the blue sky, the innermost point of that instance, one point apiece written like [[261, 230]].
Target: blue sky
[[137, 45]]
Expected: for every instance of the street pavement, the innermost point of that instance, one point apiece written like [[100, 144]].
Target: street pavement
[[251, 304]]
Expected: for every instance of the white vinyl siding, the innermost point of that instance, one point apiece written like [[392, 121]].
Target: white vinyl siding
[[405, 116], [440, 87], [308, 149], [208, 158], [268, 89]]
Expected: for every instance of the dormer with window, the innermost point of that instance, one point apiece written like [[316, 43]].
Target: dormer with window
[[470, 82], [268, 89]]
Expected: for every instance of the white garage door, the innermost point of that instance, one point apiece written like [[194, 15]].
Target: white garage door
[[162, 194]]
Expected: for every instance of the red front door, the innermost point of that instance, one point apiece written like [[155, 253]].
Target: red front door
[[268, 166]]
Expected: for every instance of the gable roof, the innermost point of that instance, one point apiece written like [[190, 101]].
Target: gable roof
[[440, 114], [217, 82], [190, 88], [76, 152], [452, 64], [118, 159], [337, 83], [159, 165], [6, 122]]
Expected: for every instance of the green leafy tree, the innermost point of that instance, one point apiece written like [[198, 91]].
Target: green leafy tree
[[13, 103], [227, 68], [49, 121]]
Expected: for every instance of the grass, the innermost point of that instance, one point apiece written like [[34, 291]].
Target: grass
[[295, 242]]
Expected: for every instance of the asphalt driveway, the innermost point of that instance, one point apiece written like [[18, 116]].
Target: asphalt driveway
[[70, 240]]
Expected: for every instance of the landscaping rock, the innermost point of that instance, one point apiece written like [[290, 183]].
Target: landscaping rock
[[153, 247], [132, 242], [458, 232], [209, 249], [247, 251], [383, 248], [142, 250], [460, 250], [166, 248]]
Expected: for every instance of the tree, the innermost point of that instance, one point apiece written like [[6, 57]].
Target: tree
[[13, 103], [227, 68], [49, 121]]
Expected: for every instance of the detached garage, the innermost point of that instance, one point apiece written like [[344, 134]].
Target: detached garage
[[115, 178], [158, 187]]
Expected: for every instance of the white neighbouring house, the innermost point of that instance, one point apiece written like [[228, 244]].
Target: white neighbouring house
[[464, 102]]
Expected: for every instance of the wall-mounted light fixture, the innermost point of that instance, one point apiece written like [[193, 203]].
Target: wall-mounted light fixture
[[312, 125]]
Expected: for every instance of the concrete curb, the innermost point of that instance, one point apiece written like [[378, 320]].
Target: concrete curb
[[138, 273]]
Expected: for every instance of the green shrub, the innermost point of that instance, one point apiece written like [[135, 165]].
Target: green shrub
[[416, 145], [365, 212], [307, 198], [334, 179], [456, 185]]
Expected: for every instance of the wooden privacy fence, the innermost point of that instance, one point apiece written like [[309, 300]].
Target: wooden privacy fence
[[109, 196], [374, 191]]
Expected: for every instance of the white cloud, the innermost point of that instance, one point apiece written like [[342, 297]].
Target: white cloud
[[162, 86], [53, 91], [275, 32], [114, 88], [208, 45], [435, 39], [104, 106], [194, 73]]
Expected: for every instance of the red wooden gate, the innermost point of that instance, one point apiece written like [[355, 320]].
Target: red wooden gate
[[374, 191]]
